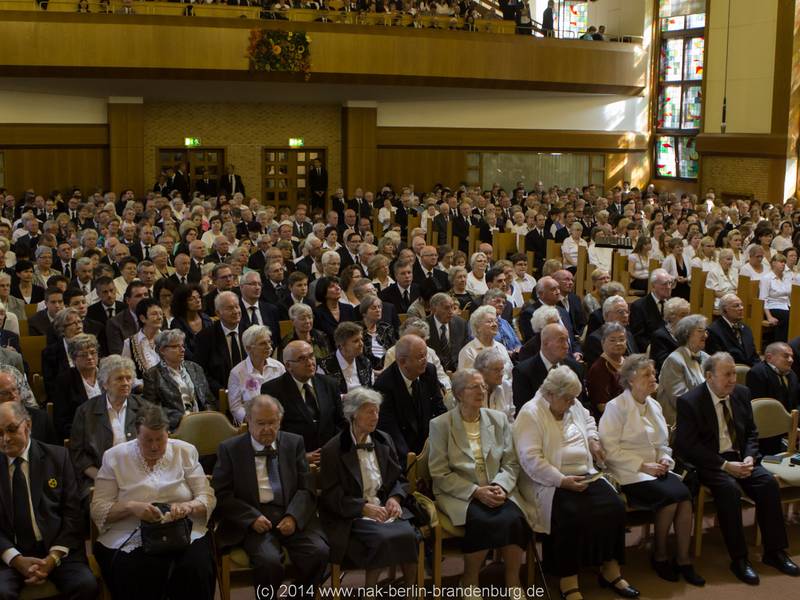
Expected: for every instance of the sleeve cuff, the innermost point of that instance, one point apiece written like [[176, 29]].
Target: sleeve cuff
[[64, 551], [10, 555]]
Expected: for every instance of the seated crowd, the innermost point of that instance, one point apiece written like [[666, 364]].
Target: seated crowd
[[341, 353]]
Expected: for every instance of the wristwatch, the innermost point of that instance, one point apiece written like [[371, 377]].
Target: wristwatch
[[56, 558]]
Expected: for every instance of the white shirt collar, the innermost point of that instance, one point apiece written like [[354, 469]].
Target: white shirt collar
[[228, 331], [343, 364], [716, 399], [24, 454], [109, 407], [258, 447], [547, 364]]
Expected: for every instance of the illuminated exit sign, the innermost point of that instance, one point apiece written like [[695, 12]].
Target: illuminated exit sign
[[191, 142], [296, 142]]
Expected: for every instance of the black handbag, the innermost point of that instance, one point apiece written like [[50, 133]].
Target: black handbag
[[159, 539], [419, 516]]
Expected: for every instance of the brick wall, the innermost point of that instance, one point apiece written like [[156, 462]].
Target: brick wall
[[243, 130], [736, 175]]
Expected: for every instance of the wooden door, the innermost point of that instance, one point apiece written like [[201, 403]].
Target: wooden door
[[196, 159], [285, 174]]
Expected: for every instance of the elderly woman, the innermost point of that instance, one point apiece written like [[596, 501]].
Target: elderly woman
[[458, 287], [160, 258], [602, 380], [363, 488], [557, 445], [187, 313], [570, 246], [246, 378], [330, 310], [43, 269], [499, 394], [484, 326], [682, 369], [477, 489], [9, 329], [636, 439], [379, 336], [379, 271], [55, 358], [348, 365], [505, 331], [179, 386], [756, 266], [663, 342], [542, 317], [775, 289], [150, 478], [140, 347], [592, 300], [723, 278], [104, 420], [77, 384], [302, 318], [476, 279]]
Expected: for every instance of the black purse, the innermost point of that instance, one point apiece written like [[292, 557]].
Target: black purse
[[159, 539]]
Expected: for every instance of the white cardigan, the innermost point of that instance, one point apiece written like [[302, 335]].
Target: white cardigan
[[538, 438], [626, 441]]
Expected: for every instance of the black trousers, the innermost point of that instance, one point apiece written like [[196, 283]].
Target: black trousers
[[136, 575], [73, 579], [762, 488]]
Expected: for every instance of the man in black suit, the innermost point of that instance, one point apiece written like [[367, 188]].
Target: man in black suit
[[616, 310], [108, 306], [403, 291], [197, 253], [312, 402], [42, 427], [146, 239], [729, 333], [529, 374], [222, 277], [367, 208], [310, 263], [548, 292], [42, 322], [449, 333], [570, 300], [357, 201], [412, 395], [182, 264], [231, 183], [219, 348], [125, 324], [256, 311], [63, 261], [318, 184], [41, 524], [273, 288], [264, 502], [795, 346], [462, 224], [715, 432], [425, 269], [349, 250], [206, 186], [536, 242], [647, 313], [301, 226], [440, 223]]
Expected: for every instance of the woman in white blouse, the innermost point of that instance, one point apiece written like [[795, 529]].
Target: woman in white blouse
[[639, 264], [153, 469], [569, 247], [706, 257], [783, 240], [476, 278], [484, 326], [683, 368], [140, 347], [246, 378], [723, 278], [557, 445], [735, 243], [755, 268], [600, 257], [636, 439], [775, 289]]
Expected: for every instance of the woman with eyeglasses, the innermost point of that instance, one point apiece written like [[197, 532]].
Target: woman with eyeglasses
[[78, 384]]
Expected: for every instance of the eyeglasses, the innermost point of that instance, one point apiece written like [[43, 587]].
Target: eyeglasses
[[13, 428], [87, 354], [477, 386], [174, 346], [300, 359]]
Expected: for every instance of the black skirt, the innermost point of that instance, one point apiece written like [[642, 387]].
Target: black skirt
[[376, 545], [494, 527], [586, 529], [657, 493]]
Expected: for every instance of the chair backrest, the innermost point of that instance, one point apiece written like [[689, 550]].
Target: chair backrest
[[285, 328], [741, 374], [422, 470], [771, 418], [38, 389], [222, 402], [32, 346], [30, 310], [205, 431]]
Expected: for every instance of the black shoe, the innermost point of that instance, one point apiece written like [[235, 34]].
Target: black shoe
[[690, 575], [745, 571], [781, 561], [625, 592], [664, 569]]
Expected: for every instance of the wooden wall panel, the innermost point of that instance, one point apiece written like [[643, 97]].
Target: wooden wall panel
[[423, 167], [126, 137], [27, 135], [47, 169], [359, 154]]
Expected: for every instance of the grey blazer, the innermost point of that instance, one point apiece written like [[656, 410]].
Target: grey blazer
[[452, 463], [91, 435], [16, 306], [160, 388], [679, 374]]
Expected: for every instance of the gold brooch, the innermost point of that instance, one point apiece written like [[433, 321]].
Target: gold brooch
[[52, 483]]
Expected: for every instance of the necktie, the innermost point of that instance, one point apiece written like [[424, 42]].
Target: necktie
[[446, 350], [415, 395], [406, 299], [147, 251], [311, 400], [430, 274], [737, 330], [110, 312], [726, 413], [236, 355], [26, 539], [661, 308], [784, 381], [183, 280], [67, 271], [369, 447], [253, 316]]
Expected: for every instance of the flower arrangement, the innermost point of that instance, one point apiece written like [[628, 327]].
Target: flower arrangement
[[276, 50]]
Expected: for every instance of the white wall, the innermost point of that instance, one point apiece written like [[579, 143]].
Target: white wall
[[568, 111], [621, 17], [24, 107]]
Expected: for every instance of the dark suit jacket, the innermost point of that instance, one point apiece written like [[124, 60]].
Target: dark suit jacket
[[195, 272], [270, 294], [461, 230], [593, 347], [795, 346], [72, 394], [211, 353], [458, 337], [538, 245], [39, 324], [342, 497], [318, 182], [236, 486], [56, 508], [298, 417], [97, 312], [721, 338], [662, 344], [645, 319], [119, 329], [257, 262], [408, 425], [595, 322], [225, 184], [302, 230], [529, 374], [324, 321], [91, 434], [304, 265], [363, 369], [160, 388], [696, 438], [207, 187], [42, 427], [485, 234], [440, 227], [526, 328], [576, 313], [392, 294], [270, 316], [764, 382], [440, 278]]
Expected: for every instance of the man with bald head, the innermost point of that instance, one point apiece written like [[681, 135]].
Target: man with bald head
[[312, 402], [647, 313], [529, 374], [425, 269], [548, 293], [42, 428]]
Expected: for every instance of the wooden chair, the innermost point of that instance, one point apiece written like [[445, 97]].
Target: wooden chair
[[285, 329], [697, 287], [503, 244], [30, 310], [37, 387], [32, 346], [205, 431], [23, 327], [222, 402]]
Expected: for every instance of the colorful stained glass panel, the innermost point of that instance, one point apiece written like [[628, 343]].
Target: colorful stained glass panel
[[693, 62], [669, 105], [689, 159], [666, 164], [672, 60], [692, 107]]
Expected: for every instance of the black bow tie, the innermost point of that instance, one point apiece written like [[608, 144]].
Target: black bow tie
[[696, 358], [267, 452], [369, 447]]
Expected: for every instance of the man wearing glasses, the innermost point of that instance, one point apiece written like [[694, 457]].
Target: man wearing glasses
[[41, 426]]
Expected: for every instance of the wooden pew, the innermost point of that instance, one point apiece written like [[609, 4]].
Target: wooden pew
[[413, 223], [474, 242], [697, 287], [794, 313], [553, 250], [503, 244], [32, 346], [580, 274]]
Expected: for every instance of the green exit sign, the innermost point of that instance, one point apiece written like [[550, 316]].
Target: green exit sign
[[296, 142], [191, 142]]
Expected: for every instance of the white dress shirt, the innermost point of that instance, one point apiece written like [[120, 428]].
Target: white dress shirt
[[774, 291], [349, 371], [265, 493], [371, 479], [117, 420], [725, 442], [92, 390]]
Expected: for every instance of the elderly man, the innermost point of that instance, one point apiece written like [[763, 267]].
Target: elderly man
[[41, 527], [615, 310], [449, 332], [548, 292], [310, 263], [570, 300], [264, 503], [182, 264], [412, 395], [729, 333], [42, 428], [222, 246], [223, 279], [715, 432], [197, 253], [312, 402], [425, 269], [219, 348], [255, 310], [349, 251], [403, 292], [647, 313]]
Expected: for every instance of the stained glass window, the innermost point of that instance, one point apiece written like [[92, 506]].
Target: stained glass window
[[692, 107], [573, 18], [696, 21], [689, 160], [669, 105], [693, 65], [665, 157], [672, 24], [672, 60]]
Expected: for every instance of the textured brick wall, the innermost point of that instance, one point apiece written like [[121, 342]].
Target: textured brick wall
[[736, 175], [243, 130]]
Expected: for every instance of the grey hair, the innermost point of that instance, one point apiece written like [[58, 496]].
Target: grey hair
[[18, 412], [686, 325], [310, 241], [479, 314], [610, 302], [726, 300], [5, 276], [254, 333], [40, 250], [752, 249], [83, 261], [221, 297], [486, 358], [475, 256], [710, 363], [612, 288], [461, 379], [439, 298], [151, 416], [157, 250], [673, 306], [245, 276], [80, 342], [403, 346], [492, 294], [165, 337], [561, 382], [111, 364], [631, 366], [328, 256], [415, 326], [543, 316], [262, 400], [609, 328], [358, 397], [61, 317], [299, 309], [2, 307], [453, 272], [725, 252], [367, 302], [346, 330], [657, 273]]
